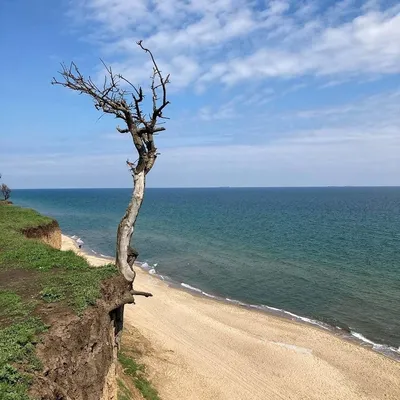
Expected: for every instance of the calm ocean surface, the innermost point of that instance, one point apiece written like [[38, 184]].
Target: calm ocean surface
[[328, 254]]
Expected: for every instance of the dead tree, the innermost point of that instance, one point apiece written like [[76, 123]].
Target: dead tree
[[124, 100], [5, 190]]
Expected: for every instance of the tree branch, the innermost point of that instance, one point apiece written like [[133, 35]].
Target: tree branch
[[157, 111], [119, 97], [122, 130], [139, 293]]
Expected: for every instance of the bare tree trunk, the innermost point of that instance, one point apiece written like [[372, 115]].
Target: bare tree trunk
[[126, 104], [126, 226]]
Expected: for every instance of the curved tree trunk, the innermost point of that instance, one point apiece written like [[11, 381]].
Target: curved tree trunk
[[127, 105], [126, 226]]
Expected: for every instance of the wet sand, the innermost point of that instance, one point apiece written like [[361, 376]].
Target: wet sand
[[199, 348]]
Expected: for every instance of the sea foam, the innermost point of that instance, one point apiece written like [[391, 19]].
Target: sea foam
[[384, 348], [195, 289]]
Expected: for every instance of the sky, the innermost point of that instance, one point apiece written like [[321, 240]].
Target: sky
[[263, 93]]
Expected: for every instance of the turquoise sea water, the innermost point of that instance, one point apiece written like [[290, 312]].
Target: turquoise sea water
[[327, 254]]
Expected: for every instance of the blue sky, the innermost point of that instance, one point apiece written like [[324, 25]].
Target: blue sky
[[263, 93]]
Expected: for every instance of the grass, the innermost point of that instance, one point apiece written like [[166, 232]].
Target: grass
[[12, 307], [52, 294], [135, 372], [63, 274], [123, 392], [37, 274], [78, 290], [17, 358], [17, 218]]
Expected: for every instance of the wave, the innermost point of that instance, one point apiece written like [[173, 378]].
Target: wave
[[294, 316], [240, 303], [273, 308], [195, 289], [362, 338], [376, 346], [88, 250], [308, 320], [209, 295]]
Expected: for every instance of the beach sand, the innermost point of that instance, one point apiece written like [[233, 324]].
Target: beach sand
[[199, 348]]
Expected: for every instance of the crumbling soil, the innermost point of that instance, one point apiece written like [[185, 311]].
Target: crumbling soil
[[49, 233], [77, 352]]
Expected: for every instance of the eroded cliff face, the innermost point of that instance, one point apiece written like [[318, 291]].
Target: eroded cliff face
[[50, 234], [79, 353]]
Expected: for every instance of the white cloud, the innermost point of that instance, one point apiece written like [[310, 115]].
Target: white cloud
[[370, 44], [231, 41]]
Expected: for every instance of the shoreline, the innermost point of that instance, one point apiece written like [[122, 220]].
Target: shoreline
[[348, 335], [203, 348]]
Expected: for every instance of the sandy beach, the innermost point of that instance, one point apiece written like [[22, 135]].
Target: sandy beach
[[199, 348]]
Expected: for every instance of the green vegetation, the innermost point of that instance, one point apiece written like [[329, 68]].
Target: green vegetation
[[12, 307], [52, 294], [78, 290], [135, 372], [17, 349], [123, 392], [17, 218], [64, 276], [31, 275]]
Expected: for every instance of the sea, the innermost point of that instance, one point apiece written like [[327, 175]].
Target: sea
[[325, 256]]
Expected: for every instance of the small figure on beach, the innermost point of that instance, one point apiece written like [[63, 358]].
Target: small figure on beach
[[79, 242]]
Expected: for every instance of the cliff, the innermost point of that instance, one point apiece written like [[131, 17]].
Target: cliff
[[49, 233], [59, 317], [79, 353]]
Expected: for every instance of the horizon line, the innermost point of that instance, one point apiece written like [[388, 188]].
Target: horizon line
[[218, 187]]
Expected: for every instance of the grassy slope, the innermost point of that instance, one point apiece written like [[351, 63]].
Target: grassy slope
[[31, 274], [135, 372]]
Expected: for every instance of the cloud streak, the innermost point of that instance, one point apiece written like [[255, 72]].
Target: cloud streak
[[357, 144], [205, 41]]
